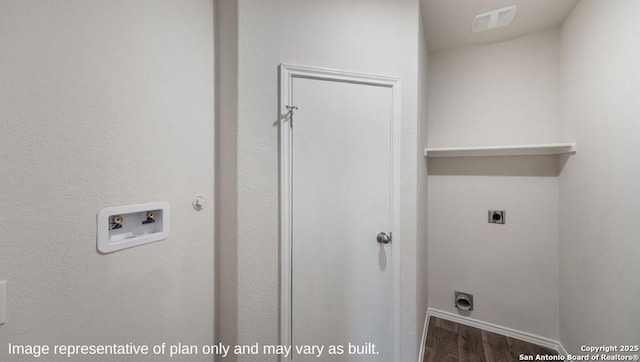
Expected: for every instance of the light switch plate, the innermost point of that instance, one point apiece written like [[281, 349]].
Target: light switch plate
[[3, 302]]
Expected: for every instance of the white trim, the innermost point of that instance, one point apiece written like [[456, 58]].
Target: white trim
[[524, 336], [286, 86], [513, 150], [395, 220], [424, 337], [287, 74], [561, 349]]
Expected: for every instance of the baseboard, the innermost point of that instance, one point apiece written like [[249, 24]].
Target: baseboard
[[527, 337], [561, 349]]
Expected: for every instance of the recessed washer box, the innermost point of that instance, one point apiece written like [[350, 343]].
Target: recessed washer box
[[124, 227]]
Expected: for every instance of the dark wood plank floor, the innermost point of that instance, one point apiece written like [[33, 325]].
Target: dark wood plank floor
[[449, 341]]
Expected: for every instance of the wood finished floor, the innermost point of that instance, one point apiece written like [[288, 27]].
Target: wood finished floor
[[449, 341]]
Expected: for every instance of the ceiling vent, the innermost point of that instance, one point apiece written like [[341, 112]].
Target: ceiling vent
[[493, 19]]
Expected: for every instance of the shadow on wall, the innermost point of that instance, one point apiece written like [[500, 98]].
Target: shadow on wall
[[537, 166]]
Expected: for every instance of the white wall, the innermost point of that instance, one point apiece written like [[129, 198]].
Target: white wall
[[105, 103], [503, 93], [511, 269], [364, 36], [496, 94], [599, 199]]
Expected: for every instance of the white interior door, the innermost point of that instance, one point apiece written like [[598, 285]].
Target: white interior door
[[341, 197]]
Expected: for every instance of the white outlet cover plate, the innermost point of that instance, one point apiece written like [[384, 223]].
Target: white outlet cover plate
[[107, 245]]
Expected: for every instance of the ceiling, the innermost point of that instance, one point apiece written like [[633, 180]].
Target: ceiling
[[447, 23]]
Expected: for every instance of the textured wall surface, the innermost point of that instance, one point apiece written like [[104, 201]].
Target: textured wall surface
[[504, 93], [105, 103], [377, 37], [599, 199], [496, 94], [511, 269]]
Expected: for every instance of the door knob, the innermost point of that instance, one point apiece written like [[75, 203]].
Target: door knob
[[383, 238]]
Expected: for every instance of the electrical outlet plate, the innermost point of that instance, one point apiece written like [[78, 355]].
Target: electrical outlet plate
[[128, 226], [497, 216]]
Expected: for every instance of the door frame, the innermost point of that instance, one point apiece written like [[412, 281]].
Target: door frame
[[287, 74]]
